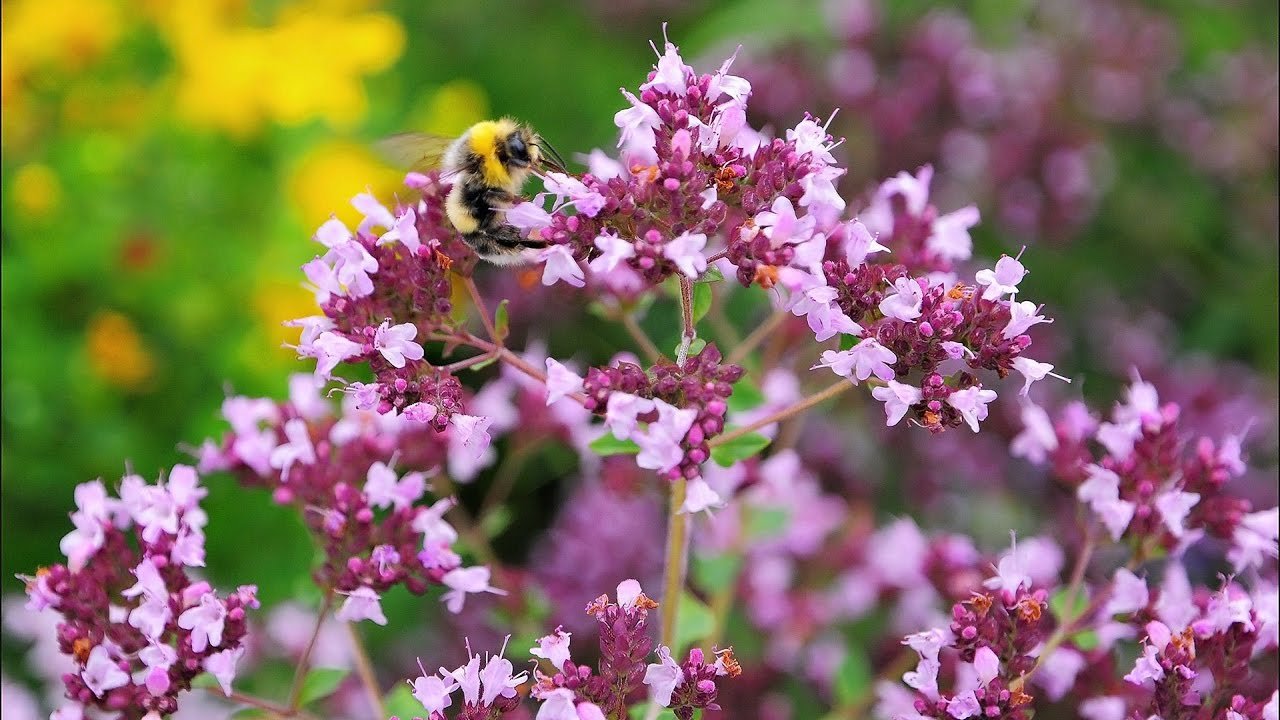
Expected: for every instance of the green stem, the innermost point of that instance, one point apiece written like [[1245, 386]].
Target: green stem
[[674, 569], [481, 309], [757, 336], [831, 391], [1068, 624], [365, 669], [466, 525], [637, 333], [264, 705], [687, 331], [300, 674]]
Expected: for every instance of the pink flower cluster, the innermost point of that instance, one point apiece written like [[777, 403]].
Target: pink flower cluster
[[576, 691], [358, 479], [137, 625], [384, 322], [683, 407], [1022, 125], [691, 171], [624, 645], [1150, 485], [930, 327]]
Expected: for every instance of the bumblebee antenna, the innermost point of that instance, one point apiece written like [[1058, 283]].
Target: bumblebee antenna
[[553, 154]]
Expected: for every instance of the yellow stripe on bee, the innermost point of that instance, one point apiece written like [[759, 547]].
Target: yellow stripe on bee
[[484, 139], [461, 217]]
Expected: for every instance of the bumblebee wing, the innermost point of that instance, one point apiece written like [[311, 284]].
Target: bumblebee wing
[[414, 151]]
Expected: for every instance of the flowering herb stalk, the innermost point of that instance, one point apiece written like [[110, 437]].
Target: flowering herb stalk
[[766, 524]]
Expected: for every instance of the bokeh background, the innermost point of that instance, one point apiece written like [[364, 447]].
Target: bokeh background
[[166, 161]]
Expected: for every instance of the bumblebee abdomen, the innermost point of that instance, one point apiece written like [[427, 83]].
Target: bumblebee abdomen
[[460, 214]]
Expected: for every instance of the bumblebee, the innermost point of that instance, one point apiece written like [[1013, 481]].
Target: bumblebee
[[488, 165]]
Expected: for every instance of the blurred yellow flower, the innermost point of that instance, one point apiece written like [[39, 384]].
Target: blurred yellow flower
[[456, 106], [69, 34], [329, 175], [309, 64], [115, 351], [38, 36], [37, 192], [276, 301]]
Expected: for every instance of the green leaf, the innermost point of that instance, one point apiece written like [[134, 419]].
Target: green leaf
[[641, 711], [696, 346], [483, 364], [716, 572], [255, 714], [401, 702], [853, 679], [847, 342], [701, 301], [712, 274], [766, 522], [746, 395], [321, 682], [694, 623], [607, 444], [739, 449], [1058, 604], [1085, 640], [204, 680], [501, 322], [496, 521]]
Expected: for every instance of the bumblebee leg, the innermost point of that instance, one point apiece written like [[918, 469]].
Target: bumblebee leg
[[503, 245], [500, 199]]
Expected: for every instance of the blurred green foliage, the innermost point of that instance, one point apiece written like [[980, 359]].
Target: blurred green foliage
[[165, 163]]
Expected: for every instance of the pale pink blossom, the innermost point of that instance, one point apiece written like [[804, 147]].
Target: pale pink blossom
[[685, 250], [660, 441], [363, 603], [560, 265], [471, 432], [383, 489], [699, 496], [1033, 371], [950, 238], [529, 216], [971, 403], [663, 677], [1174, 506], [613, 250], [205, 621], [621, 411], [376, 214], [298, 449], [554, 648], [1038, 437], [433, 692], [222, 666], [1022, 315], [561, 381], [637, 123], [404, 231], [396, 344], [1003, 280], [898, 399], [904, 304], [860, 362], [101, 673], [1129, 594], [462, 581]]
